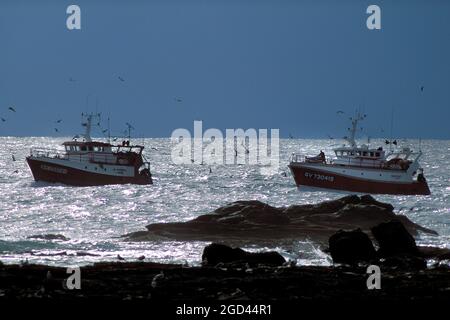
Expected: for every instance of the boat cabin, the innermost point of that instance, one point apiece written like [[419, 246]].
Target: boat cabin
[[78, 147], [359, 156]]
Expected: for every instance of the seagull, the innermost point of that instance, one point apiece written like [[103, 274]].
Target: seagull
[[56, 130], [72, 79], [12, 109], [121, 79], [120, 258], [58, 121], [340, 112], [3, 119], [421, 88], [104, 131], [178, 100]]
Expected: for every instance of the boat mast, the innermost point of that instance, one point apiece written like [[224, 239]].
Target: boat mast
[[351, 139], [88, 125]]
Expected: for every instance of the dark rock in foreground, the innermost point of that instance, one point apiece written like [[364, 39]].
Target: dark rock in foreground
[[351, 247], [133, 281], [216, 253], [397, 248], [255, 221], [393, 239]]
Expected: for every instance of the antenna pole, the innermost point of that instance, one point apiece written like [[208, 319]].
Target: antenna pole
[[392, 129], [109, 131]]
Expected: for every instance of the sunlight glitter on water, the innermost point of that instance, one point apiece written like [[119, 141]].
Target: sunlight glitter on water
[[95, 217]]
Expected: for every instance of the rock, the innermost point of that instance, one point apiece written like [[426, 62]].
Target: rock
[[216, 253], [393, 239], [351, 247], [257, 222], [404, 262], [49, 236], [368, 199], [434, 253]]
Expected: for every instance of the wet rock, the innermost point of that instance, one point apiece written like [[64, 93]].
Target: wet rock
[[434, 253], [216, 253], [404, 262], [393, 239], [257, 222], [49, 236], [368, 199], [351, 247]]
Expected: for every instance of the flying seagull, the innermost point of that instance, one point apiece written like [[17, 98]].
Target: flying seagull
[[121, 79], [3, 119], [58, 121], [12, 109], [56, 130], [72, 79], [421, 88], [178, 100], [340, 112]]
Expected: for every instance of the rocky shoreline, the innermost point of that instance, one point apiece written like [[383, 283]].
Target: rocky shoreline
[[156, 282], [359, 233]]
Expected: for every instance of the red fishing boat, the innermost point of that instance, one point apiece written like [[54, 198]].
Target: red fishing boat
[[361, 169], [91, 163]]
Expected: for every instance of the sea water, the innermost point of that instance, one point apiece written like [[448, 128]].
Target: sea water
[[94, 218]]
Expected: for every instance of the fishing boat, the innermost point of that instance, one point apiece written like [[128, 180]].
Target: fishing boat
[[361, 169], [85, 162]]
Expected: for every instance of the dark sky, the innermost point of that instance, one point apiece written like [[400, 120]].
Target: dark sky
[[234, 64]]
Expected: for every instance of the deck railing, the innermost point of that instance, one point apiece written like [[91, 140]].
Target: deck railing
[[87, 157]]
